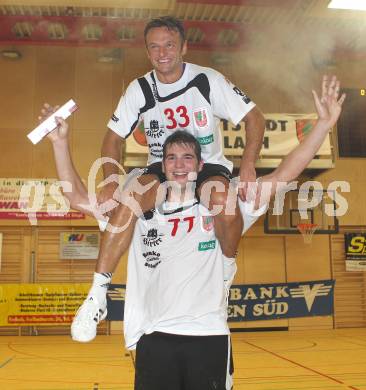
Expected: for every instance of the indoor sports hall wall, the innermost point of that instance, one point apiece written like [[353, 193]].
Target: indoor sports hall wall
[[56, 74]]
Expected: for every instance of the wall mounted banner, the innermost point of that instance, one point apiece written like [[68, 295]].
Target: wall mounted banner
[[1, 248], [283, 132], [355, 249], [40, 304], [258, 302], [283, 300], [79, 245], [51, 304], [34, 198]]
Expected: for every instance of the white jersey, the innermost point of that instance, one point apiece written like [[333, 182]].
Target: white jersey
[[175, 281], [195, 103]]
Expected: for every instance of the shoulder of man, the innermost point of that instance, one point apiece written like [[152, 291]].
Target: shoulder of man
[[209, 72]]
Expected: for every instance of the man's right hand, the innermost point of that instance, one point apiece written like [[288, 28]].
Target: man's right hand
[[46, 111], [61, 131]]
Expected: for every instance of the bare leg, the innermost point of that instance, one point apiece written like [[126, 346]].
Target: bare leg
[[228, 221], [114, 245]]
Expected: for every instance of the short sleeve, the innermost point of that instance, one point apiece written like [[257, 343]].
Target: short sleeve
[[127, 114], [228, 101]]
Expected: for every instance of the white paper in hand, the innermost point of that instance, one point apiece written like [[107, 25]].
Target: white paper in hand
[[50, 123]]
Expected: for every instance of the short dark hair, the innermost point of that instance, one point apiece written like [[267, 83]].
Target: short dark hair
[[170, 22], [182, 137]]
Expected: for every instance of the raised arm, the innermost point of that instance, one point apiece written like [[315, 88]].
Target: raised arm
[[254, 131], [78, 196], [111, 148], [328, 108]]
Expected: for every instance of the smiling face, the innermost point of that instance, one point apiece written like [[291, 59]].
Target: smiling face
[[165, 50], [180, 160]]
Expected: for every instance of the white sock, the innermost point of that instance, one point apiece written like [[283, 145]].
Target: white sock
[[101, 282]]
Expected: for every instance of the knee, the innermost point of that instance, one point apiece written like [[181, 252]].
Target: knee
[[229, 219], [219, 198], [214, 193], [127, 205]]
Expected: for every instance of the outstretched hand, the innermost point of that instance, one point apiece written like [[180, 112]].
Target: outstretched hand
[[61, 131], [329, 106], [247, 176]]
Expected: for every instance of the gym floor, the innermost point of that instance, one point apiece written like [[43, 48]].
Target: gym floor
[[321, 360]]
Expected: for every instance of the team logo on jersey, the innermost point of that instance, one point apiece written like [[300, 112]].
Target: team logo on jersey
[[152, 259], [244, 97], [207, 223], [201, 117], [152, 238], [114, 118], [155, 130], [303, 127]]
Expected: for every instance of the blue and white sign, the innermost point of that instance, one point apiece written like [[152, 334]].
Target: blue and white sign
[[284, 300], [258, 301]]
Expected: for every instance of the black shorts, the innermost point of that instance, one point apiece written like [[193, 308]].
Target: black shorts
[[207, 171], [175, 362]]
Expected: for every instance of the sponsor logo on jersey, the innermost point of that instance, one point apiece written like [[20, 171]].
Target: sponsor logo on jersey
[[155, 130], [114, 118], [152, 238], [239, 92], [206, 245], [201, 118], [155, 91], [152, 259], [207, 223], [156, 149], [206, 140]]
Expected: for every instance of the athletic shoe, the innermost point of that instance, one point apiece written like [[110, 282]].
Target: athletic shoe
[[87, 318]]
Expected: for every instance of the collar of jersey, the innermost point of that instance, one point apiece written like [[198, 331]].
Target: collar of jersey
[[180, 83], [168, 208]]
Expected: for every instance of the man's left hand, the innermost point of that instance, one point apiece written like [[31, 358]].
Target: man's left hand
[[247, 175]]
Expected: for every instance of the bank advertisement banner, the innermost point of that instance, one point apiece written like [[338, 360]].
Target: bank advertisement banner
[[51, 304], [283, 132], [259, 301], [355, 249], [283, 300]]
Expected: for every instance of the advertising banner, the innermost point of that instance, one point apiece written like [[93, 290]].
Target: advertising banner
[[79, 245], [50, 304], [1, 248], [259, 301], [355, 249], [283, 132], [34, 199], [40, 304]]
